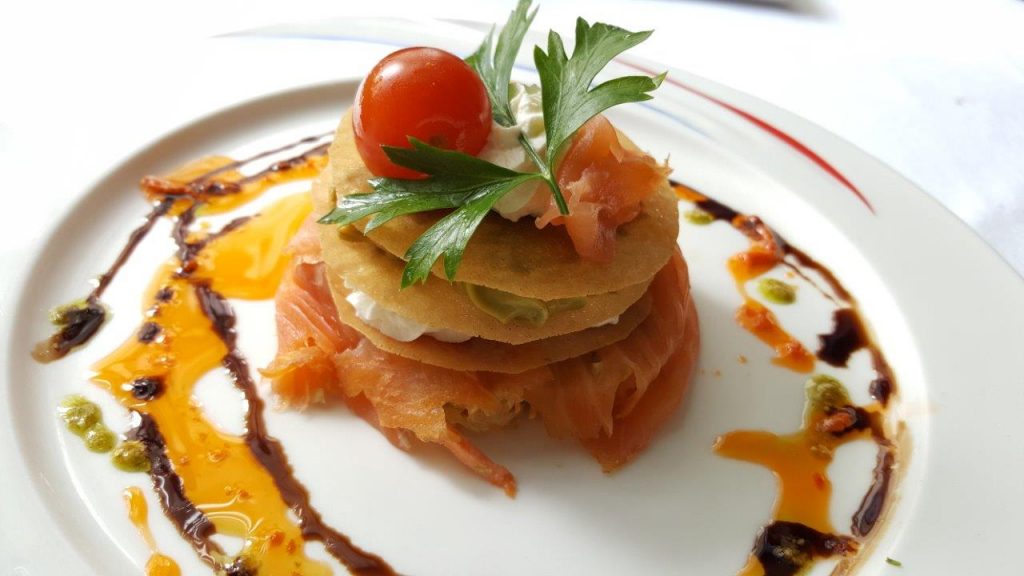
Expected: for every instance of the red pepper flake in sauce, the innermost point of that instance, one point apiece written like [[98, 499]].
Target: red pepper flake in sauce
[[801, 530], [198, 325], [766, 251], [763, 255], [189, 331]]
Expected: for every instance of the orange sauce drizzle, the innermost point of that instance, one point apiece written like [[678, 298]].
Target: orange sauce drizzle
[[798, 460], [242, 263], [757, 319], [138, 513], [249, 189], [763, 255], [218, 471]]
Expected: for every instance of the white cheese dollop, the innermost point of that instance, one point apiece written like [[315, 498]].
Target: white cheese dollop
[[503, 148], [394, 324], [609, 322]]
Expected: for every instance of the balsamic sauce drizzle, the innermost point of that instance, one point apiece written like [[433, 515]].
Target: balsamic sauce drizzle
[[870, 509], [193, 525], [134, 239], [84, 320], [780, 546], [78, 323], [848, 333], [786, 548], [317, 151], [269, 451]]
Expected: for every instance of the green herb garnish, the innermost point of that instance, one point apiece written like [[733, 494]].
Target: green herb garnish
[[470, 186], [494, 64], [565, 83], [893, 562]]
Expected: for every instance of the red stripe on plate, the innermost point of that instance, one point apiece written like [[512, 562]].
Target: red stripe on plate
[[792, 142]]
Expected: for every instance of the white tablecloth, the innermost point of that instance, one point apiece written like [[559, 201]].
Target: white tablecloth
[[933, 88]]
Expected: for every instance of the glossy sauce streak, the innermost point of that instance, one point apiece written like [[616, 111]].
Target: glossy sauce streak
[[787, 548], [215, 182], [765, 252], [208, 481], [138, 513], [847, 336], [769, 249], [211, 482], [801, 530]]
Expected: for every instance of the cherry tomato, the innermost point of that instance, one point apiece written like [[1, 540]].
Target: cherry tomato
[[422, 92]]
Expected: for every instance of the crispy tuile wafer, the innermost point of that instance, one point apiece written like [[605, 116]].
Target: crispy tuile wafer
[[488, 355], [516, 257], [438, 303]]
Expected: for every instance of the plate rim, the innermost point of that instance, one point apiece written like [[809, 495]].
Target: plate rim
[[997, 271]]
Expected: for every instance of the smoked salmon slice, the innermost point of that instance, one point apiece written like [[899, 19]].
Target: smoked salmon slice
[[604, 184], [635, 430], [613, 400], [309, 335], [309, 332], [590, 394], [409, 395]]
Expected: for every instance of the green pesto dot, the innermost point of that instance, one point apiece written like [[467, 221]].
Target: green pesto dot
[[130, 456], [79, 414], [824, 391], [99, 438], [74, 400], [698, 217], [59, 315], [777, 291]]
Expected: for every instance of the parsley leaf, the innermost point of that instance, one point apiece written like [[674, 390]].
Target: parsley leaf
[[449, 236], [470, 186], [464, 176], [494, 65], [456, 180], [565, 82]]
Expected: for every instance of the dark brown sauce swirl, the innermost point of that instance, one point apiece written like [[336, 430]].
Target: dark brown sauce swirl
[[80, 323], [848, 334], [267, 450], [78, 329], [271, 454], [873, 503], [787, 548], [193, 525]]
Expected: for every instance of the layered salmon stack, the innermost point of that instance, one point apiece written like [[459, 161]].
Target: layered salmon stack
[[584, 322]]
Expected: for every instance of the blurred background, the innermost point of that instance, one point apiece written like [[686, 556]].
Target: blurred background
[[933, 88]]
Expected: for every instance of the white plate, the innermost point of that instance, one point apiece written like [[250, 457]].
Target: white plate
[[945, 310]]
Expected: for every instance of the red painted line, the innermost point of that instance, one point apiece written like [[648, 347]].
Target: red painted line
[[792, 142]]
